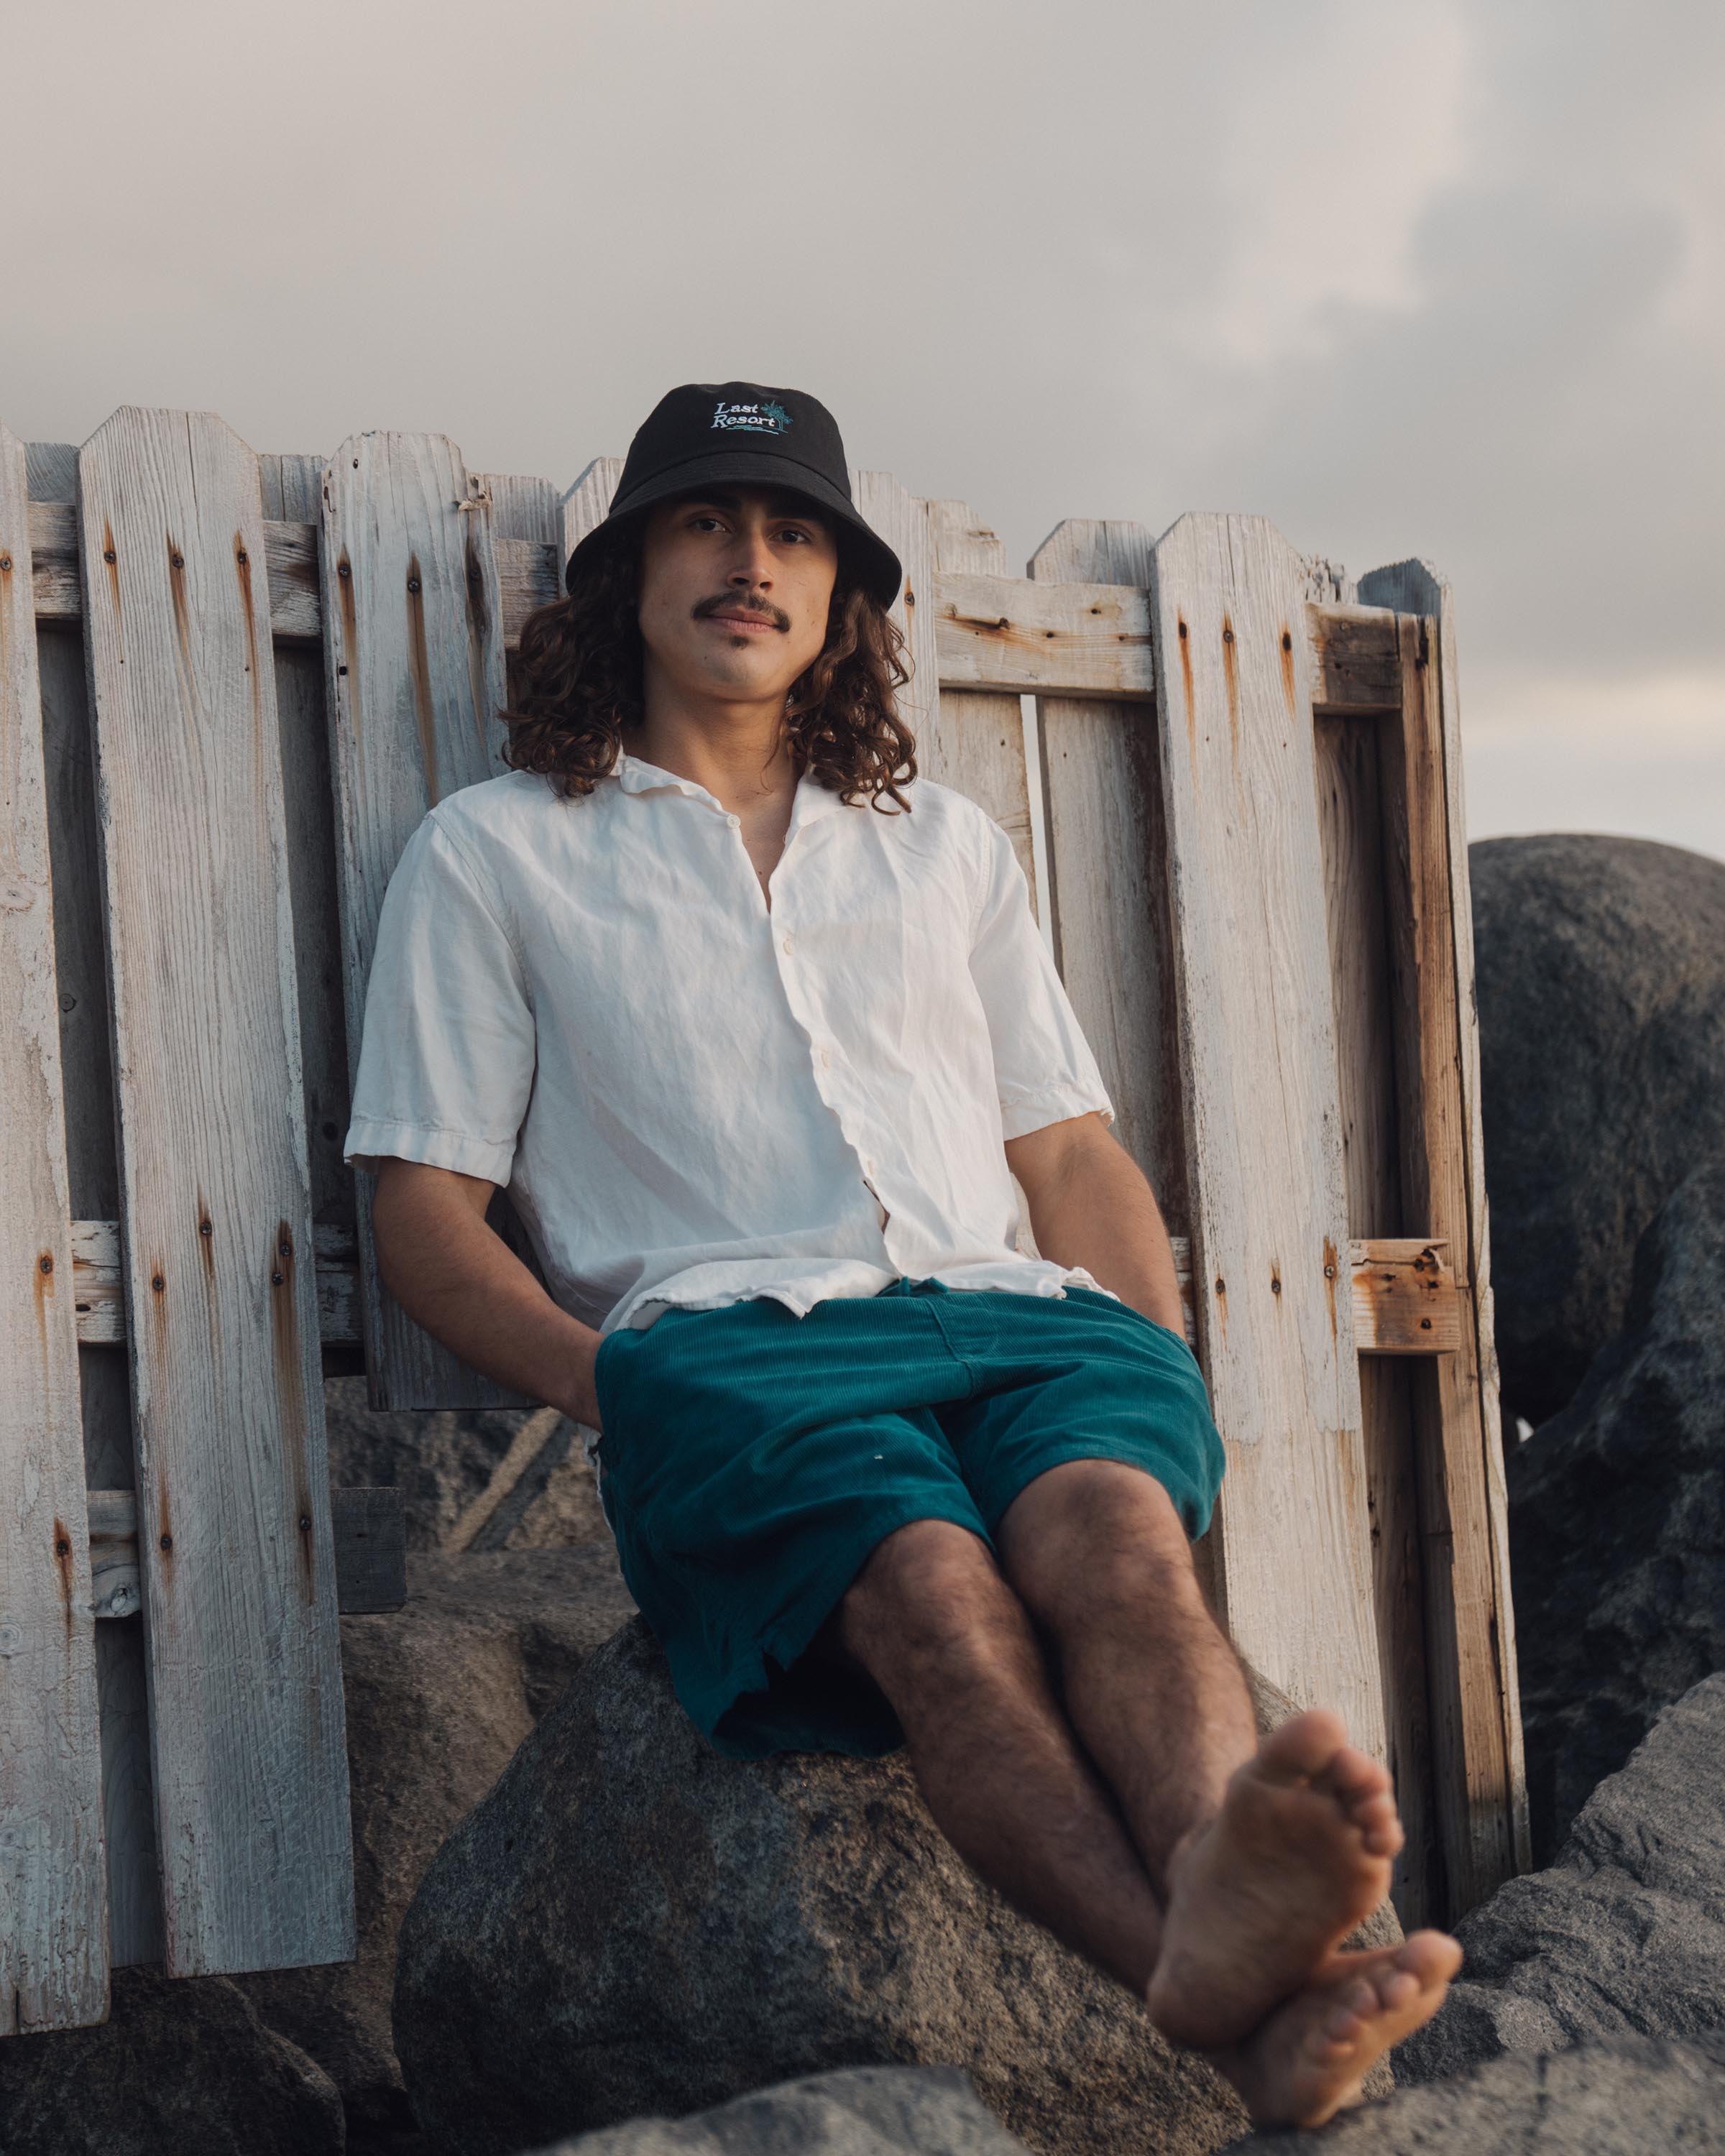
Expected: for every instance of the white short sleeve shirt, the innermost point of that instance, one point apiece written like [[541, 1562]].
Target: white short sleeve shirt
[[694, 1099]]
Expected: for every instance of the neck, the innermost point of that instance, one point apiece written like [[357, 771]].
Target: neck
[[741, 752]]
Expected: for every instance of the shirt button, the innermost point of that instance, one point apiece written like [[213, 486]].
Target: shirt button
[[868, 1167], [788, 947], [735, 821], [826, 1061]]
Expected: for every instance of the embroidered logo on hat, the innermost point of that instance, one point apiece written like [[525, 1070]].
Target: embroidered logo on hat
[[767, 418]]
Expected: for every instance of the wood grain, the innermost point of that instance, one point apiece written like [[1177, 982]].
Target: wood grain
[[1074, 639], [978, 747], [54, 1932], [1101, 790], [245, 1691], [87, 1074], [414, 670], [1265, 1169], [1469, 1616]]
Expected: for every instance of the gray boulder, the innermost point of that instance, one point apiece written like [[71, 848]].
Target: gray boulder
[[178, 2066], [865, 2111], [440, 1695], [1601, 980], [1617, 1520], [631, 1924], [1624, 2099], [1623, 1936]]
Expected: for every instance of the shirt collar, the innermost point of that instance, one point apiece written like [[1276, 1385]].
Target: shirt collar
[[634, 775]]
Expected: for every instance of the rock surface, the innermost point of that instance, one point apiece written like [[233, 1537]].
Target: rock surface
[[630, 1924], [440, 1695], [865, 2111], [179, 2066], [1601, 978], [1623, 1936], [1617, 1520], [1626, 2099]]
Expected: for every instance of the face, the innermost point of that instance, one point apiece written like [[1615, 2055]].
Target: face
[[736, 586]]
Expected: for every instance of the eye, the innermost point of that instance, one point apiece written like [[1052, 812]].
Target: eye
[[796, 531]]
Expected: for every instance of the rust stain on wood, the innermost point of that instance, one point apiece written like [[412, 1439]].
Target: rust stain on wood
[[419, 665], [1288, 689], [111, 555], [62, 1566], [206, 1237], [1230, 675], [1332, 1268], [1185, 643]]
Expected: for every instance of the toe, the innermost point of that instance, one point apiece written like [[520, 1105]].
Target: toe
[[1303, 1746]]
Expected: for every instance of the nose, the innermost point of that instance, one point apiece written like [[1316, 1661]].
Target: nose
[[751, 561]]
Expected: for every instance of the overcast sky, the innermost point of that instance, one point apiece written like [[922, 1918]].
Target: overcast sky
[[1446, 279]]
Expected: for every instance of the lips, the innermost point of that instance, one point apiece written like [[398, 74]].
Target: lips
[[745, 620]]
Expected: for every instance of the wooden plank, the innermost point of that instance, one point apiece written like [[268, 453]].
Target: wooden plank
[[978, 746], [415, 670], [588, 502], [902, 521], [1404, 1290], [370, 1537], [1469, 1624], [54, 1932], [87, 1076], [1265, 1171], [1101, 790], [1074, 639], [1356, 667], [246, 1692], [1351, 828]]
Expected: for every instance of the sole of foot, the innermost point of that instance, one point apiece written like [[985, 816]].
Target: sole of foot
[[1308, 2059], [1298, 1855]]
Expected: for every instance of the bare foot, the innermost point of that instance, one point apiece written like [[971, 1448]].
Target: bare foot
[[1298, 1855], [1307, 2061]]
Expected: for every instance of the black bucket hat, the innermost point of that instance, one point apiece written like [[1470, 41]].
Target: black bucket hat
[[709, 432]]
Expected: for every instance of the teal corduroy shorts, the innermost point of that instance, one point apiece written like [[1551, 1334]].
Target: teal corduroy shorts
[[752, 1459]]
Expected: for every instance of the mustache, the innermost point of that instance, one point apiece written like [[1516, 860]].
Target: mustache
[[742, 602]]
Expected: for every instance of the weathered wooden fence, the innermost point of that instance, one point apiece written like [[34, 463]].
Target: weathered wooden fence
[[229, 688]]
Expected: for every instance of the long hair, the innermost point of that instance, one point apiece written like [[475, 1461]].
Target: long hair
[[575, 688]]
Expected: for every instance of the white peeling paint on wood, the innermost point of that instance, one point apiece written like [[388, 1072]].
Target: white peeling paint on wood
[[248, 1744], [1269, 1208], [53, 1930]]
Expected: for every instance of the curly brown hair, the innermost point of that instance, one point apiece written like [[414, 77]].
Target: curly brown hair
[[575, 687]]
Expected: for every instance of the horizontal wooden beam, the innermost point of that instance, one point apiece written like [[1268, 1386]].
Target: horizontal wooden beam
[[1405, 1292], [370, 1551], [1002, 634], [1023, 639]]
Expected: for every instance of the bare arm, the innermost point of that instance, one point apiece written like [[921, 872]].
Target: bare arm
[[1091, 1206], [462, 1283]]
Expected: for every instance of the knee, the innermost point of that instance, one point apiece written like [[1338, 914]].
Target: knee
[[1094, 1538], [931, 1592]]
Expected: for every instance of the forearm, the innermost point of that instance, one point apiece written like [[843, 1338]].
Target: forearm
[[1094, 1208], [460, 1281]]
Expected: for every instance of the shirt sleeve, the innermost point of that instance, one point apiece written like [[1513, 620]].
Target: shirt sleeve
[[1044, 1068], [446, 1057]]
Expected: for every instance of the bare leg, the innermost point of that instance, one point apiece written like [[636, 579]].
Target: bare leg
[[932, 1620], [1265, 1856]]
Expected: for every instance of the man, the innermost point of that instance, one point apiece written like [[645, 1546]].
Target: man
[[757, 1029]]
